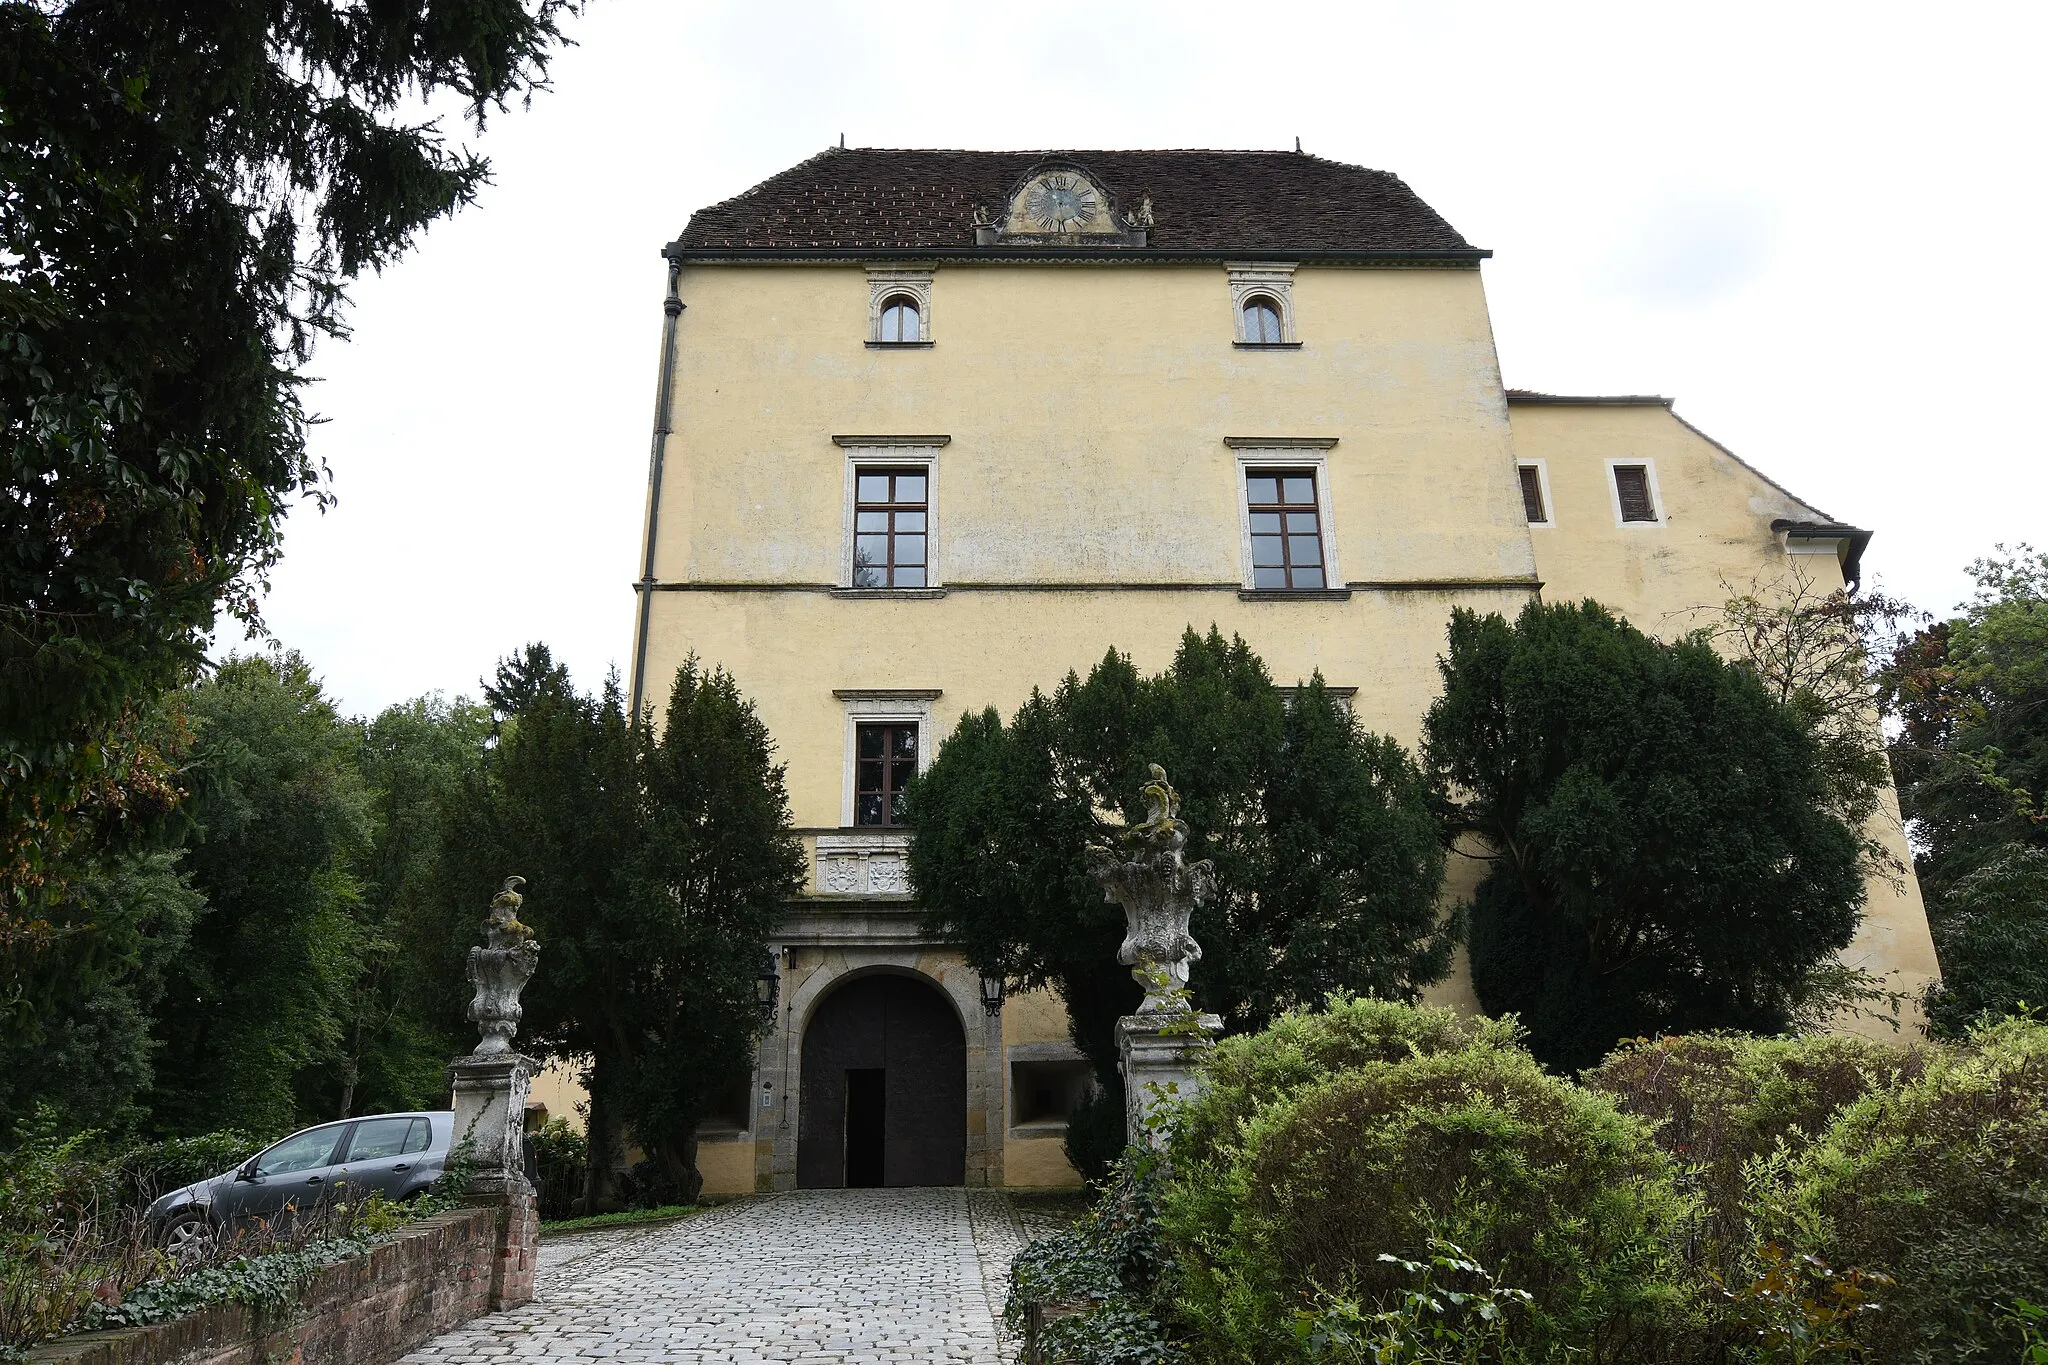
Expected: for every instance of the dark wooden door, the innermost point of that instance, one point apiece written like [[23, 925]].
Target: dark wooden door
[[908, 1032]]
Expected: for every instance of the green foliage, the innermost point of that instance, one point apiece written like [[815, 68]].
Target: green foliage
[[562, 1157], [255, 1006], [1104, 1273], [404, 1008], [655, 869], [1941, 1184], [1797, 1309], [1717, 1102], [1457, 1315], [189, 190], [78, 1038], [1991, 933], [1326, 856], [1971, 694], [1549, 1184], [623, 1218], [1664, 854]]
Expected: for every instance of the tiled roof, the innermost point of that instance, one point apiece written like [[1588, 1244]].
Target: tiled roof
[[878, 199]]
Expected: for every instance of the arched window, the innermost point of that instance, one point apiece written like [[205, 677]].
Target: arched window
[[899, 319], [1261, 321]]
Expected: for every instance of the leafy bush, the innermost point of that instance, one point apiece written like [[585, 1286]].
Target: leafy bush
[[1941, 1184], [1716, 1101], [1111, 1262], [1255, 1069], [1457, 1315], [560, 1156], [1549, 1184]]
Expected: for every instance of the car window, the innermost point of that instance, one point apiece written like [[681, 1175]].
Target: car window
[[300, 1152], [420, 1138], [376, 1139]]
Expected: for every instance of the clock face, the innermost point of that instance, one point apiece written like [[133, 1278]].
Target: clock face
[[1061, 203]]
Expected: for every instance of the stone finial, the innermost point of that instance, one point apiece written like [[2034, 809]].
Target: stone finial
[[500, 971], [1142, 869]]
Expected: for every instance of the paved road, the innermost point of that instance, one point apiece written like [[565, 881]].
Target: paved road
[[850, 1277]]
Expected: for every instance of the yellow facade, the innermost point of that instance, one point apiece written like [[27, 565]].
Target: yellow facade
[[1086, 425]]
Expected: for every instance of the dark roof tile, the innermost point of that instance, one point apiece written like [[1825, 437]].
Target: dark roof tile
[[878, 199]]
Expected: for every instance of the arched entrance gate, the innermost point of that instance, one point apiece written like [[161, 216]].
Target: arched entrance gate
[[884, 1087]]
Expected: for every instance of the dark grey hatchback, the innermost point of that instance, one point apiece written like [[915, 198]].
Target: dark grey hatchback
[[395, 1155]]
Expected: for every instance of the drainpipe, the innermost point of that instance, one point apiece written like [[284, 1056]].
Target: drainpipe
[[672, 308]]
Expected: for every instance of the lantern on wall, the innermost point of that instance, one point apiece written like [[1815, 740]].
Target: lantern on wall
[[767, 989], [993, 989]]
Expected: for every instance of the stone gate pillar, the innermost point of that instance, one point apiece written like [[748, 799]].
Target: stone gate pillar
[[490, 1087]]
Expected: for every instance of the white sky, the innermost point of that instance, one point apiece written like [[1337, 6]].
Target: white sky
[[1811, 224]]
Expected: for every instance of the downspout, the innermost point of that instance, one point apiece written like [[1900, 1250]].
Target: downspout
[[672, 308]]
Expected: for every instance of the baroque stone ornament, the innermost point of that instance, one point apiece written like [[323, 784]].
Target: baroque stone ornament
[[500, 970], [1143, 869]]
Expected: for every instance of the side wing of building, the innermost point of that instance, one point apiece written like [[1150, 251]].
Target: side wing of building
[[1633, 507]]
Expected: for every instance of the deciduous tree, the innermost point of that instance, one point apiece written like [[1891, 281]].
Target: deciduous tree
[[188, 190]]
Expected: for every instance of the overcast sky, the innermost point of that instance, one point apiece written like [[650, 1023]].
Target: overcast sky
[[1815, 226]]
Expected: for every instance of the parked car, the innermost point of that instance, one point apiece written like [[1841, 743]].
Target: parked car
[[395, 1155]]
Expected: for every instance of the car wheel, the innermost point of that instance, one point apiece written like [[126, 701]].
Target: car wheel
[[188, 1235]]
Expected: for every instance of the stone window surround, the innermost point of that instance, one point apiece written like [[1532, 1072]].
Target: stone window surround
[[887, 282], [877, 851], [1649, 477], [1542, 468], [892, 452], [1281, 452], [1269, 280]]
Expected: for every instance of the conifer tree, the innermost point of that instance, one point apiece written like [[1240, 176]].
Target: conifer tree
[[655, 869], [1327, 858], [1665, 852]]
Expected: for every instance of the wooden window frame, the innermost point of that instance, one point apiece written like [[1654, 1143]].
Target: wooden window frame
[[1649, 468], [888, 792], [1542, 471], [892, 509], [891, 452], [1287, 536], [1259, 455]]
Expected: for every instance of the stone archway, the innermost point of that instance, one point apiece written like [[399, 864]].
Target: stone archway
[[884, 1087]]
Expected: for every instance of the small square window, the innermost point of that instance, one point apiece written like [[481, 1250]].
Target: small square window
[[1286, 529], [1632, 493], [884, 761], [1048, 1092], [889, 528]]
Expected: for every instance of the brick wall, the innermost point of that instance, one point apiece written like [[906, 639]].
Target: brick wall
[[370, 1310]]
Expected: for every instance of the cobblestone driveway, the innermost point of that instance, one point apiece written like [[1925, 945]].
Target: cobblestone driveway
[[875, 1277]]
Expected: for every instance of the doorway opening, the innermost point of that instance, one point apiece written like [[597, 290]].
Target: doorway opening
[[867, 1102], [883, 1091]]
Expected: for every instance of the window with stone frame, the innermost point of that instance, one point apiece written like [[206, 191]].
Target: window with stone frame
[[901, 320], [884, 761], [889, 528], [1262, 322], [1286, 529], [1632, 493]]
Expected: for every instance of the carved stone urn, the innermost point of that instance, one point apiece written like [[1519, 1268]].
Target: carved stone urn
[[1144, 871], [1159, 1048], [500, 970]]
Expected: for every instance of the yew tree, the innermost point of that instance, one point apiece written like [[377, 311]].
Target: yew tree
[[1664, 853], [656, 866], [1327, 858]]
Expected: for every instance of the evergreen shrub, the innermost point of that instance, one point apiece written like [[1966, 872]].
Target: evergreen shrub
[[1432, 1129], [1941, 1184], [1717, 1101]]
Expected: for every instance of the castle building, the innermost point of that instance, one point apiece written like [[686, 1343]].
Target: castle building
[[935, 427]]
